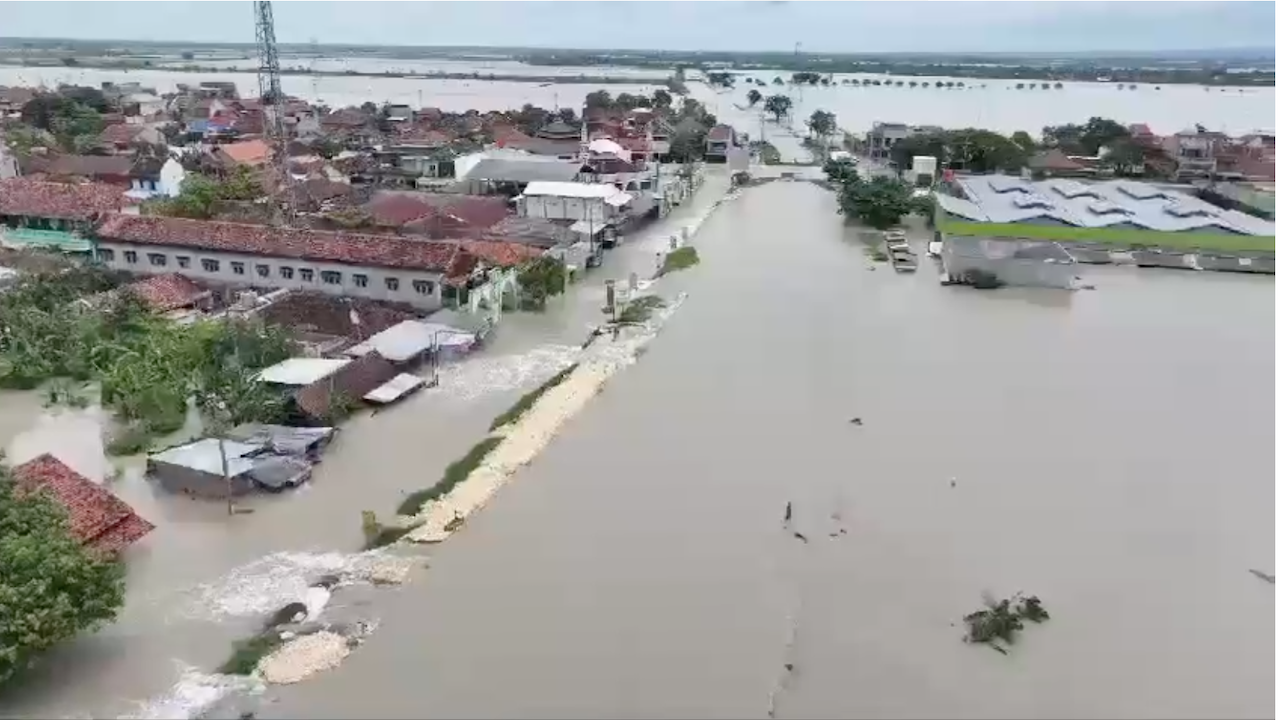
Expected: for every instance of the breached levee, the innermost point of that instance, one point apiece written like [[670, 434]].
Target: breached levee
[[525, 438]]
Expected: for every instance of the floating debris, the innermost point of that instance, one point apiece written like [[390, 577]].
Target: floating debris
[[304, 656], [1001, 621], [1264, 576], [786, 515], [856, 421], [800, 537]]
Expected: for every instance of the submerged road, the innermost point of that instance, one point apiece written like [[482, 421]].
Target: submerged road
[[1087, 448]]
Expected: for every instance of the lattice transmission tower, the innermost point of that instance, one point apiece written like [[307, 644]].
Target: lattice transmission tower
[[272, 99]]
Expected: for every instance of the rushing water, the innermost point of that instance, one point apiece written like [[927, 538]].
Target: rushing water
[[1109, 451]]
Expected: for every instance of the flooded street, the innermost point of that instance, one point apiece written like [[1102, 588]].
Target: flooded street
[[1108, 451], [202, 579]]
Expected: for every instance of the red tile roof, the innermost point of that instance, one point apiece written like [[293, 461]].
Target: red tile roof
[[89, 166], [168, 292], [97, 518], [32, 198], [445, 212], [340, 247], [720, 133], [499, 253], [119, 134], [345, 118], [250, 152]]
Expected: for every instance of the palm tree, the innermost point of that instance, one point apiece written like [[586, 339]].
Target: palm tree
[[938, 84], [753, 97], [959, 84], [949, 84], [898, 83], [913, 83]]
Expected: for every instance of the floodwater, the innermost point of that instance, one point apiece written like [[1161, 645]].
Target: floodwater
[[1001, 107], [1109, 451], [337, 91], [992, 104], [203, 579]]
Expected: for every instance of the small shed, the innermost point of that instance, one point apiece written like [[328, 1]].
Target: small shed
[[302, 371], [413, 340], [196, 468]]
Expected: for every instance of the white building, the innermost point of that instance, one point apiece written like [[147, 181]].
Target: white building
[[592, 203], [146, 182], [375, 267]]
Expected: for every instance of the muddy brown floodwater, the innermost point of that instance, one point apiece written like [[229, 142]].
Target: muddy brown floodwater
[[202, 579], [1110, 451]]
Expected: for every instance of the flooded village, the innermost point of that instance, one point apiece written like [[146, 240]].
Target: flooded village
[[398, 406]]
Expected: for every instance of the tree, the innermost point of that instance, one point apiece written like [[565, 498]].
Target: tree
[[880, 202], [1023, 139], [913, 83], [327, 147], [52, 587], [753, 97], [661, 98], [777, 81], [542, 278], [1057, 86], [599, 99], [841, 171], [369, 107], [822, 123], [778, 106], [567, 114], [1124, 156], [720, 79], [972, 149], [688, 141]]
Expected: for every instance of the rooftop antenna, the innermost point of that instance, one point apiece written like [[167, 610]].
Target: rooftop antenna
[[272, 99]]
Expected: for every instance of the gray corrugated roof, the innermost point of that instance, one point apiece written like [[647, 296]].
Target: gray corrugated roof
[[523, 171], [1005, 199]]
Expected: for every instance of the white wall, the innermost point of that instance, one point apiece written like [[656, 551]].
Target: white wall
[[568, 208], [171, 176], [375, 288]]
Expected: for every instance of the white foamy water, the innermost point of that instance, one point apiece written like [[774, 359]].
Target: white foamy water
[[194, 694], [476, 377], [268, 583]]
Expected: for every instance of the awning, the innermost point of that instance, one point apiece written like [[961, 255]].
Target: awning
[[398, 387]]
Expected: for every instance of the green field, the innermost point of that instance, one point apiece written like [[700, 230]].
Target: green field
[[1120, 237]]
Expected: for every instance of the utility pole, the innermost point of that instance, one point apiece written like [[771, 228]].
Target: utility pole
[[272, 99]]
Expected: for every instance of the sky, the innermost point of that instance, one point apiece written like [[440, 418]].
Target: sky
[[818, 26]]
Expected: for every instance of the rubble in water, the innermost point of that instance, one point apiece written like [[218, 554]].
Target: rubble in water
[[304, 656]]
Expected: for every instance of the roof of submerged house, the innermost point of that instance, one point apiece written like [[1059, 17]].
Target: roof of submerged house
[[35, 198], [97, 518], [349, 383]]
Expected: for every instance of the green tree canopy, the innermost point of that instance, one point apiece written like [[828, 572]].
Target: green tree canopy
[[972, 149], [778, 106], [822, 123], [542, 278], [754, 97], [52, 588], [661, 98], [880, 202]]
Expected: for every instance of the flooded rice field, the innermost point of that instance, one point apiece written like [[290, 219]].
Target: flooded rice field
[[998, 105], [202, 579], [1089, 448], [993, 104], [336, 91]]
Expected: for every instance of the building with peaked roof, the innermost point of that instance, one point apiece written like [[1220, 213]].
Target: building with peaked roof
[[98, 519], [57, 216], [417, 271]]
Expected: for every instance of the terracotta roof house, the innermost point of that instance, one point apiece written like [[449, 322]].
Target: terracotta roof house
[[170, 291], [436, 215], [110, 169], [54, 215], [345, 119], [325, 321], [378, 267], [249, 153], [97, 518]]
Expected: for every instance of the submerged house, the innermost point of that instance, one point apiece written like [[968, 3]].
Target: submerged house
[[266, 457], [98, 519]]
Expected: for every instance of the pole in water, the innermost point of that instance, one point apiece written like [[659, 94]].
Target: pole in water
[[786, 516]]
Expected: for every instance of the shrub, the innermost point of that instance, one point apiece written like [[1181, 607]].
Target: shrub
[[457, 471]]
